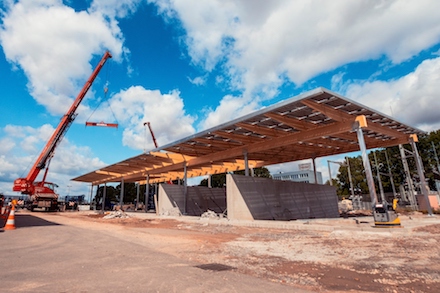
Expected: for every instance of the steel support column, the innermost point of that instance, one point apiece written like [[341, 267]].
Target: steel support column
[[314, 170], [246, 164], [185, 188], [137, 196], [147, 191], [367, 167], [91, 194], [423, 187], [121, 197], [408, 178], [104, 194]]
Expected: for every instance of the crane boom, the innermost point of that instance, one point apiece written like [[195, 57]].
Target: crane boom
[[152, 133], [26, 185]]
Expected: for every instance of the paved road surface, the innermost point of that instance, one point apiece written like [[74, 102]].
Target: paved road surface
[[47, 253]]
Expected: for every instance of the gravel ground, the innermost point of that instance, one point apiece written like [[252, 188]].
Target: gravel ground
[[338, 255]]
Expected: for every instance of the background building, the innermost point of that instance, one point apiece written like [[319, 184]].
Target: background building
[[306, 176]]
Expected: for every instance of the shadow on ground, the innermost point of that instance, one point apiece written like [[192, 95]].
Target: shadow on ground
[[22, 221]]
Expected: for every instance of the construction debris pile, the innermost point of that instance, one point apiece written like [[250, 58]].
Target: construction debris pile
[[174, 212], [212, 215], [116, 214]]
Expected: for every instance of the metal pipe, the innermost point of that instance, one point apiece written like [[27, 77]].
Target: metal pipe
[[367, 166]]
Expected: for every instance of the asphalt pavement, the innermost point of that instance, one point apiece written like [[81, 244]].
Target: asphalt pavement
[[43, 255]]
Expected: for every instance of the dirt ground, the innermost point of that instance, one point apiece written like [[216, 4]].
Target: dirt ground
[[338, 255]]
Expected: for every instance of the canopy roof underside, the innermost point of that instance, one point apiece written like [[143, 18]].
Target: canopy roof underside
[[314, 124]]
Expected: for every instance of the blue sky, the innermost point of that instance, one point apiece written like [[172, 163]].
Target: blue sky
[[187, 65]]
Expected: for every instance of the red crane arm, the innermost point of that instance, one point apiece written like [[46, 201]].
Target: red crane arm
[[58, 134], [152, 134]]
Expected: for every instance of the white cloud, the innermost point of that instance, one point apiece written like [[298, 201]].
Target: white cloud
[[260, 42], [230, 108], [165, 112], [53, 45], [115, 8], [22, 146], [412, 99], [199, 80]]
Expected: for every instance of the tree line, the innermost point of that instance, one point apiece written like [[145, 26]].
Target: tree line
[[388, 163]]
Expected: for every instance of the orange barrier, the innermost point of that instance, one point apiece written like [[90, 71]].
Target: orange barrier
[[10, 223]]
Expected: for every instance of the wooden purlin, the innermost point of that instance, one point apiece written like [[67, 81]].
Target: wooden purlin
[[174, 157], [341, 116], [217, 142], [292, 122], [236, 137], [271, 132]]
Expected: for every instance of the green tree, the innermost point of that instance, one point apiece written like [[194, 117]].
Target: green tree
[[383, 160], [357, 174]]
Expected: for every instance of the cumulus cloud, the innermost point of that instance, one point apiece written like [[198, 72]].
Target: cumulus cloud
[[165, 112], [53, 44], [412, 99], [199, 80], [260, 45], [262, 40], [115, 8], [21, 147], [230, 107]]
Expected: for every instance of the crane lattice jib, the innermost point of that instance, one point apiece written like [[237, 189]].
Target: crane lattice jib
[[64, 124]]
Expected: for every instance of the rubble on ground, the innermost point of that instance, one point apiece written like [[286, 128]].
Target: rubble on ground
[[174, 212], [210, 215], [116, 214]]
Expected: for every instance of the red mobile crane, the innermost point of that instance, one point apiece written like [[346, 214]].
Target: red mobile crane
[[42, 194]]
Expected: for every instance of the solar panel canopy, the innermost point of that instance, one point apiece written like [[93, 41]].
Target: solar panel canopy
[[314, 124]]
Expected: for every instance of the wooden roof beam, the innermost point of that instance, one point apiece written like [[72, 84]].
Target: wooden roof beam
[[342, 116], [317, 132]]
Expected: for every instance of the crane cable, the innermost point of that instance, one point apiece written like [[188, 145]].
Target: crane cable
[[105, 99]]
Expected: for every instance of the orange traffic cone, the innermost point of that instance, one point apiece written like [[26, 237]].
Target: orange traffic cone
[[10, 223]]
